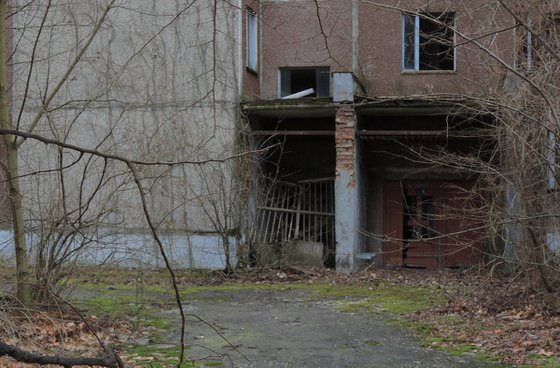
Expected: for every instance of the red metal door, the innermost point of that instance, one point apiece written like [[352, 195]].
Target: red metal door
[[462, 243], [392, 224], [427, 225]]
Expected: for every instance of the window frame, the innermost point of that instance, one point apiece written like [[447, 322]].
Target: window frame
[[318, 71], [416, 48], [530, 54], [251, 40], [552, 161], [529, 46]]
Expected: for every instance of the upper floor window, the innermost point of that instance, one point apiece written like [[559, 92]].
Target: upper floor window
[[295, 80], [552, 161], [428, 41], [251, 37], [539, 42]]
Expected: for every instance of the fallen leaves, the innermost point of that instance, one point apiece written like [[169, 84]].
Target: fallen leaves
[[516, 328], [59, 332]]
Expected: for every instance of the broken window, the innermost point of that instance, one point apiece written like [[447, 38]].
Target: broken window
[[251, 39], [295, 80], [428, 41]]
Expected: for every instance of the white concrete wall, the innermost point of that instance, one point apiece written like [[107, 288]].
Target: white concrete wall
[[158, 83], [138, 250]]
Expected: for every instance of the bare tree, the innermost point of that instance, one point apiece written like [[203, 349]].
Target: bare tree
[[119, 109]]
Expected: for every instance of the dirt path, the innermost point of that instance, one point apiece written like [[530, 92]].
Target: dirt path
[[273, 328]]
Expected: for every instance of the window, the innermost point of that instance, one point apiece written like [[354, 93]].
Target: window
[[540, 42], [428, 42], [251, 39], [552, 161], [294, 80]]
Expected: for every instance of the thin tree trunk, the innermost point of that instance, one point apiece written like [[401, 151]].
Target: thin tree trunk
[[22, 263]]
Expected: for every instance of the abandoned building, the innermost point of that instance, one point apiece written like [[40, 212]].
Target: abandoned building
[[360, 97], [357, 113]]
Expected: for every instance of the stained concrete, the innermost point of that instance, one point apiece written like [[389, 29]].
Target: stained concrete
[[274, 328]]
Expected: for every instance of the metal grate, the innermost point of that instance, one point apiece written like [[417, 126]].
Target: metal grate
[[299, 211]]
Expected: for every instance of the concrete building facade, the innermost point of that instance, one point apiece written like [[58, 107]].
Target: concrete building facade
[[414, 69]]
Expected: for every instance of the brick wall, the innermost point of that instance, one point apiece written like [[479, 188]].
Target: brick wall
[[344, 137]]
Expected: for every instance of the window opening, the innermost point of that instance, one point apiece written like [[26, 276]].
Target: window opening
[[294, 80], [553, 159], [428, 42], [545, 31], [251, 39]]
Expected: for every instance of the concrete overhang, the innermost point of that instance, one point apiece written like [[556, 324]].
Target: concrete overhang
[[297, 108], [382, 106], [400, 106]]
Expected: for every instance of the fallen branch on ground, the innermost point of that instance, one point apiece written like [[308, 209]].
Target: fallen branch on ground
[[111, 360]]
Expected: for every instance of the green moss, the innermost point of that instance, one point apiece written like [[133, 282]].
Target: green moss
[[151, 320], [118, 307], [115, 307], [428, 330], [237, 287], [546, 361], [122, 287], [151, 351], [452, 347], [337, 291], [387, 299], [373, 297], [154, 356], [121, 299], [373, 343], [369, 297]]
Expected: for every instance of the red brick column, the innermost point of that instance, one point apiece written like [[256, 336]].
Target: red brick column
[[344, 139], [345, 191]]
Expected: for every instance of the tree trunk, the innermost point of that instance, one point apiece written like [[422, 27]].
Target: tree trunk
[[22, 264]]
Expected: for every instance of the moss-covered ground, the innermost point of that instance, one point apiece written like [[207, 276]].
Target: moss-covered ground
[[142, 296], [141, 302]]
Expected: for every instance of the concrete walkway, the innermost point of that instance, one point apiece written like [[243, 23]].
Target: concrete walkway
[[271, 328]]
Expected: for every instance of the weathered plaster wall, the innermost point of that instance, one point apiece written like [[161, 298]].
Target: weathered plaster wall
[[160, 82]]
